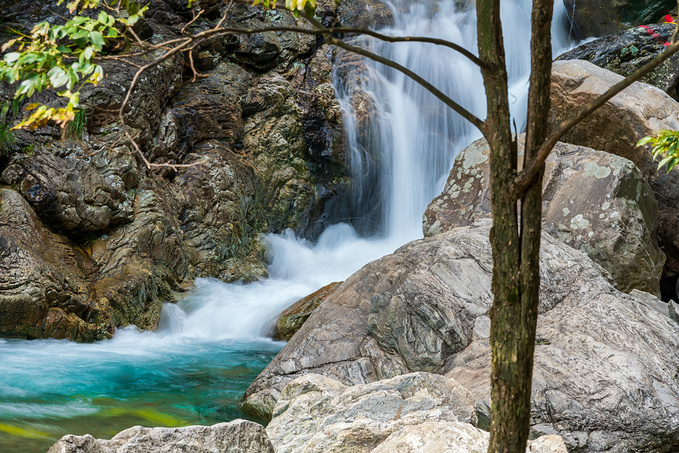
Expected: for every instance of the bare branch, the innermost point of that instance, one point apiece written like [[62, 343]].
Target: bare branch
[[188, 24], [525, 178], [439, 42], [464, 113]]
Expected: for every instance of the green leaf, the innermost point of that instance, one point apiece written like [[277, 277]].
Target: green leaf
[[58, 77], [80, 34], [11, 57], [103, 18], [646, 140], [97, 39], [64, 49]]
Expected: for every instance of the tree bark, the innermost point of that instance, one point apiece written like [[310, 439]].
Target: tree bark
[[515, 240]]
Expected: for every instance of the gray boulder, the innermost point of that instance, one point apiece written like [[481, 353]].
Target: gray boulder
[[594, 201], [239, 436], [638, 111], [318, 414], [455, 437], [605, 369]]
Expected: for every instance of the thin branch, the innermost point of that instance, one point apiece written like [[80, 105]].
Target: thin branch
[[150, 165], [439, 42], [464, 113], [525, 177], [188, 24]]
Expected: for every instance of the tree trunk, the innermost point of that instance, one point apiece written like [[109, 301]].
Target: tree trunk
[[516, 273]]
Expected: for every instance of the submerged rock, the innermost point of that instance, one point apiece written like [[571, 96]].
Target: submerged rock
[[616, 127], [605, 362], [239, 436], [594, 201]]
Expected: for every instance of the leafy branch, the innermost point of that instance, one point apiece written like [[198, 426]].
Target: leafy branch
[[664, 143]]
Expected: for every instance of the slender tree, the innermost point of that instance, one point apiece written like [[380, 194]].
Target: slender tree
[[516, 195]]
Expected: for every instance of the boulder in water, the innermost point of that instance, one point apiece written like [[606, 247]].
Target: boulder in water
[[294, 316]]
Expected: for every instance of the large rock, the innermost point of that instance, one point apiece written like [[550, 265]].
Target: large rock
[[68, 194], [638, 111], [239, 436], [294, 316], [605, 368], [455, 437], [628, 50], [206, 109], [316, 414], [43, 291], [221, 210], [594, 18], [594, 201]]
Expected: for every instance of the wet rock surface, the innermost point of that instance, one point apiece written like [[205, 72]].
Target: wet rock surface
[[594, 201], [638, 111], [68, 194], [598, 380], [294, 316]]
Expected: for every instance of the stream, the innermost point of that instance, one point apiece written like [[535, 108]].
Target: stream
[[213, 344]]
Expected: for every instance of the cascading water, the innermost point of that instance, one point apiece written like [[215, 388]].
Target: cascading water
[[213, 344]]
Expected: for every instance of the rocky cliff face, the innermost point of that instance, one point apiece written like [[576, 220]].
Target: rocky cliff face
[[93, 240]]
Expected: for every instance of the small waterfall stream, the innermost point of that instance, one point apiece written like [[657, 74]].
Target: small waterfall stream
[[213, 344]]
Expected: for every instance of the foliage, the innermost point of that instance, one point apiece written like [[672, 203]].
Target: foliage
[[63, 57], [296, 6], [7, 140], [665, 143], [74, 129]]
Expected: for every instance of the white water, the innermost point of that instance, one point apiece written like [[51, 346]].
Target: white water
[[418, 139]]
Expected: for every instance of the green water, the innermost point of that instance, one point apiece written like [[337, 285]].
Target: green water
[[194, 370], [52, 388]]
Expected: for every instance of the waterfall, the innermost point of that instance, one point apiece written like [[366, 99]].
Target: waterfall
[[213, 344], [418, 137]]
